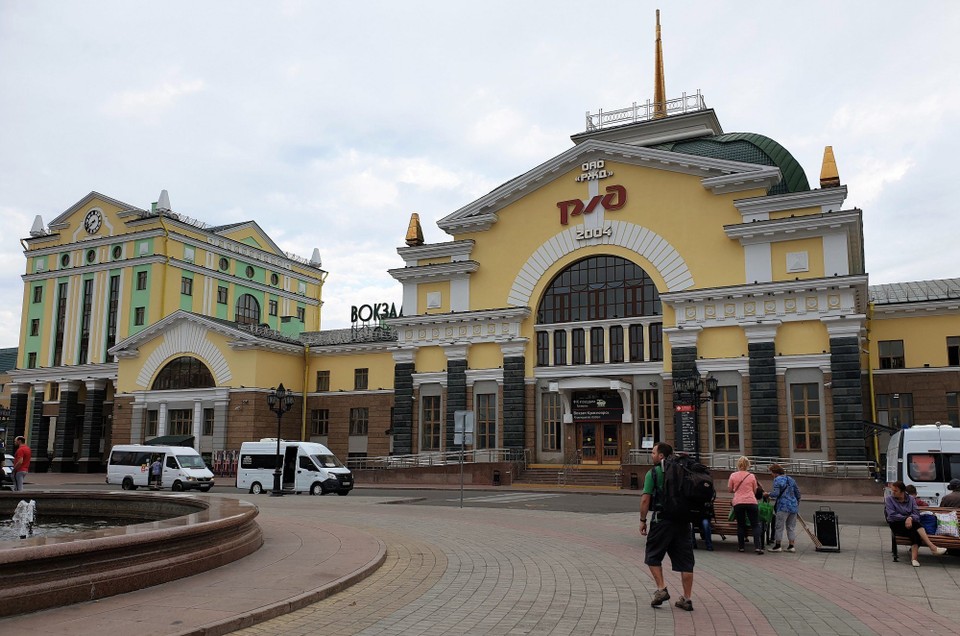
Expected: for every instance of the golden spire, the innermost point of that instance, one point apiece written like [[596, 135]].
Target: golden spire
[[659, 85], [414, 233], [829, 176]]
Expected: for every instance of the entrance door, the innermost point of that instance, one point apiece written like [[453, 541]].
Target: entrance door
[[587, 443], [611, 444], [599, 443]]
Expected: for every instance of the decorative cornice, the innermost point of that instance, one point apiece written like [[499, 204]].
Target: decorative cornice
[[60, 223], [438, 271], [608, 369], [846, 325], [828, 200], [246, 282], [793, 228], [80, 372], [919, 309], [761, 331], [483, 315], [94, 242], [92, 269], [404, 356], [819, 361], [774, 288], [432, 377], [764, 178], [514, 348], [455, 351], [684, 336], [492, 325], [452, 249], [484, 375]]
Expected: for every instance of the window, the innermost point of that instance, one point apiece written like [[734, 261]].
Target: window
[[150, 430], [54, 392], [61, 324], [141, 280], [208, 419], [221, 295], [272, 307], [726, 420], [249, 271], [113, 309], [486, 421], [805, 411], [895, 409], [636, 343], [301, 314], [37, 293], [360, 379], [891, 354], [358, 420], [578, 346], [138, 316], [551, 422], [91, 256], [559, 347], [953, 409], [616, 343], [31, 360], [34, 326], [274, 279], [86, 311], [64, 260], [323, 380], [431, 424], [656, 341], [186, 286], [648, 416], [543, 348], [596, 345], [117, 252], [925, 467], [185, 372], [953, 351], [320, 422], [248, 310], [224, 264], [180, 422]]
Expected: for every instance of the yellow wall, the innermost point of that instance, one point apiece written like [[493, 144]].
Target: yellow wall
[[342, 367], [812, 246], [722, 342], [430, 360], [924, 338], [807, 337], [487, 355]]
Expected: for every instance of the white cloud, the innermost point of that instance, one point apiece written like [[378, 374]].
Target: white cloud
[[149, 103], [873, 174]]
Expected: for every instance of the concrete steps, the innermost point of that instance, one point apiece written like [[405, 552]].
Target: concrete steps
[[569, 476]]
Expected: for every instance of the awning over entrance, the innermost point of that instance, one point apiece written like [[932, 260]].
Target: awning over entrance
[[171, 440]]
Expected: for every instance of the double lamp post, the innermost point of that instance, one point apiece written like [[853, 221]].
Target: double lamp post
[[689, 393], [280, 401]]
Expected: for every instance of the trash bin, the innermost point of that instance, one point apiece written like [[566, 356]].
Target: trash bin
[[827, 528], [496, 478], [634, 481]]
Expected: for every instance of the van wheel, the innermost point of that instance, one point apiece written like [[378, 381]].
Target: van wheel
[[256, 488], [128, 484], [343, 493], [316, 489], [177, 486]]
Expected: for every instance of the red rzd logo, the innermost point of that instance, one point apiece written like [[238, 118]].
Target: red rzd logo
[[614, 199]]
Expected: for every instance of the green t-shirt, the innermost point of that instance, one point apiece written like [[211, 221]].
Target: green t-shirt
[[650, 487]]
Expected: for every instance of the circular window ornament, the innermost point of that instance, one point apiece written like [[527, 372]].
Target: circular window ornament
[[91, 256], [224, 263], [64, 260], [274, 279], [249, 271], [117, 252]]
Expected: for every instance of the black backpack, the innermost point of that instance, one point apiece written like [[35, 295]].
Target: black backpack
[[688, 491]]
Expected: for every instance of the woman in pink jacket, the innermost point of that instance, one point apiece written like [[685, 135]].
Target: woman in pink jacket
[[743, 485]]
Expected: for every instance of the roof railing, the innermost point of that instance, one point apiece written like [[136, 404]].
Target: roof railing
[[687, 103]]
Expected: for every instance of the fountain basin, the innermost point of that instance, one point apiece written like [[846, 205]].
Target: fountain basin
[[170, 537]]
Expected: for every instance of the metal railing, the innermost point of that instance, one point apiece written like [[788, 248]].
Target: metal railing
[[645, 111], [441, 458], [760, 463]]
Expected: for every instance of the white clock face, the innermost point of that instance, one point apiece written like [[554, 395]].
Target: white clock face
[[93, 221]]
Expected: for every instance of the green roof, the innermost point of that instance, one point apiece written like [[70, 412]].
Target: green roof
[[748, 148]]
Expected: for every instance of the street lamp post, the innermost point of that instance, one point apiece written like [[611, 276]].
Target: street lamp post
[[280, 401], [690, 392]]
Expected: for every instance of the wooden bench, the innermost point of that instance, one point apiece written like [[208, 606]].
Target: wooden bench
[[721, 513], [939, 540]]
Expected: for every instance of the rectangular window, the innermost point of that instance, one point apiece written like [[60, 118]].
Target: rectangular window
[[578, 346], [953, 409], [358, 420], [323, 380], [32, 360], [113, 309], [805, 411], [953, 351], [273, 307], [86, 311], [141, 280], [221, 295], [648, 417], [320, 422], [596, 345], [616, 344], [34, 326], [301, 314], [37, 293], [891, 354], [208, 419], [139, 316], [551, 422], [61, 324], [726, 420], [360, 379], [186, 286], [486, 421], [150, 429], [180, 422], [895, 409], [656, 341], [636, 343], [543, 348], [559, 348], [431, 424]]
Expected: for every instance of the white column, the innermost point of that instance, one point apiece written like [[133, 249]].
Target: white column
[[197, 423], [162, 420]]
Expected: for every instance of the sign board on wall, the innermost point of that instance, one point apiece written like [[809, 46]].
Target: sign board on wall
[[685, 420], [596, 406]]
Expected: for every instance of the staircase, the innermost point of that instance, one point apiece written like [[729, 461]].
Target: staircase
[[570, 475]]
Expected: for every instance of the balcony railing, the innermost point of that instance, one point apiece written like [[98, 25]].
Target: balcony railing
[[645, 111]]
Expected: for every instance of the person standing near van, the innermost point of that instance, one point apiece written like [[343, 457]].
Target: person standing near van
[[156, 472], [21, 463]]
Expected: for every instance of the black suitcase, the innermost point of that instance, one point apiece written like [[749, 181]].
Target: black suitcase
[[827, 527]]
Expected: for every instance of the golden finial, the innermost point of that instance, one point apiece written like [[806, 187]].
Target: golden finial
[[659, 84], [829, 176], [414, 233]]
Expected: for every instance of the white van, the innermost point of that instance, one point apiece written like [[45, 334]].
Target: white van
[[183, 468], [306, 467], [926, 456]]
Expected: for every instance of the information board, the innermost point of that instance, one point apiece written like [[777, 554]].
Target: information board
[[685, 420]]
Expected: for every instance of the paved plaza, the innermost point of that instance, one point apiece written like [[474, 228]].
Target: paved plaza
[[358, 565]]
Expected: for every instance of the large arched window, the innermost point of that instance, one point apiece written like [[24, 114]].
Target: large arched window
[[598, 288], [248, 310], [185, 372]]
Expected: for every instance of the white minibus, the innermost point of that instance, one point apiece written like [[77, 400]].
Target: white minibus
[[183, 468], [927, 456], [305, 467]]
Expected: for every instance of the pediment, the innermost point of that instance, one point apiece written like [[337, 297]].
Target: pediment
[[249, 233], [93, 200]]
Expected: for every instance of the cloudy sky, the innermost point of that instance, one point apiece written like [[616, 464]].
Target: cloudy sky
[[328, 123]]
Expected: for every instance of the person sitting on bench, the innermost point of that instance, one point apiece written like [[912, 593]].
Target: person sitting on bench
[[903, 517]]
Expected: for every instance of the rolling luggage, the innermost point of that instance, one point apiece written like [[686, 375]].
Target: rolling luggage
[[827, 527]]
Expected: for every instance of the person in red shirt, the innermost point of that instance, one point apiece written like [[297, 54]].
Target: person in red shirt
[[21, 463]]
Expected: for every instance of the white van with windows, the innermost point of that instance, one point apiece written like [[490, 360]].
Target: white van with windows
[[183, 468], [306, 467], [927, 456]]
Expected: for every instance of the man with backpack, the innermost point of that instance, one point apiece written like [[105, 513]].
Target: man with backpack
[[665, 536]]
